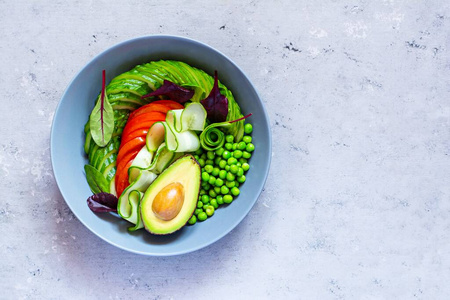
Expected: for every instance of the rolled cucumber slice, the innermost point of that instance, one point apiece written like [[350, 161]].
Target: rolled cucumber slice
[[178, 129], [128, 207]]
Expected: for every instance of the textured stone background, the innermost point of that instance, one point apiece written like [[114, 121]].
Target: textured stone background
[[357, 204]]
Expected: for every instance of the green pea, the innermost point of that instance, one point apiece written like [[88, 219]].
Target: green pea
[[250, 147], [232, 161], [247, 139], [224, 190], [196, 157], [210, 210], [209, 162], [217, 189], [246, 155], [227, 199], [212, 180], [238, 164], [237, 154], [203, 156], [245, 167], [205, 176], [241, 179], [234, 146], [240, 172], [198, 211], [205, 199], [199, 151], [214, 203], [230, 176], [199, 204], [242, 160], [248, 128], [220, 151], [230, 184], [202, 216], [219, 199], [222, 174], [217, 160], [215, 171], [234, 169], [235, 191], [228, 146], [241, 145], [226, 154], [201, 162], [227, 168], [210, 155], [219, 182], [229, 138], [206, 186], [212, 194], [236, 183], [202, 192], [209, 168], [192, 220], [222, 163]]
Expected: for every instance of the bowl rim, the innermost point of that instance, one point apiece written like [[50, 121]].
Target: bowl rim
[[200, 245]]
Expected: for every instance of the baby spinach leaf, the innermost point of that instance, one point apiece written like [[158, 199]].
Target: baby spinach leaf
[[102, 202], [97, 182], [101, 120], [216, 104]]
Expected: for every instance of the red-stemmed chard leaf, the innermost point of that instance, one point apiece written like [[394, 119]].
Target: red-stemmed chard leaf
[[101, 120], [216, 104], [102, 202], [173, 92], [240, 119]]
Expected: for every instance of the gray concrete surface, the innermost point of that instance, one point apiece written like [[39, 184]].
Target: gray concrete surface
[[357, 204]]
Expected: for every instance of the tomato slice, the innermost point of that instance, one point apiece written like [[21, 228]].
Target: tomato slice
[[122, 176], [131, 146], [169, 103], [140, 132], [157, 106]]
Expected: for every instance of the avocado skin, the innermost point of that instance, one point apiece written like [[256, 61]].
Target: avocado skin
[[194, 198]]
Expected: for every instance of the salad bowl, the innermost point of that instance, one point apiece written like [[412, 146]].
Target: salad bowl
[[67, 143]]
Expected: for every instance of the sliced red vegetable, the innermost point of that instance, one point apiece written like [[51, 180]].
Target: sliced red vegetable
[[156, 106], [102, 202], [173, 91], [122, 176], [216, 104], [136, 124], [142, 132], [169, 103], [152, 107], [131, 146]]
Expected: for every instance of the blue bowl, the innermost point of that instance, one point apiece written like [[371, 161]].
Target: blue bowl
[[67, 140]]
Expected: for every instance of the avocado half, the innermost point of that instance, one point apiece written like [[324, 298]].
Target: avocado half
[[185, 172]]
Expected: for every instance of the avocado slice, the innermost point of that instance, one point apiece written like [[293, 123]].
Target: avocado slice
[[171, 199]]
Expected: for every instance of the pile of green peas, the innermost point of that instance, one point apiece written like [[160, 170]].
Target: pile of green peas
[[222, 172]]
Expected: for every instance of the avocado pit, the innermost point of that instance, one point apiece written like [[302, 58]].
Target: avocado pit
[[169, 201]]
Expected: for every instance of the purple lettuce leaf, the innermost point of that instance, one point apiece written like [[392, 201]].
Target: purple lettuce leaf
[[173, 92], [102, 202], [216, 104]]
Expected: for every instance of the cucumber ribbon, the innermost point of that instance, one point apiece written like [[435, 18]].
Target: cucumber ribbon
[[165, 142]]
